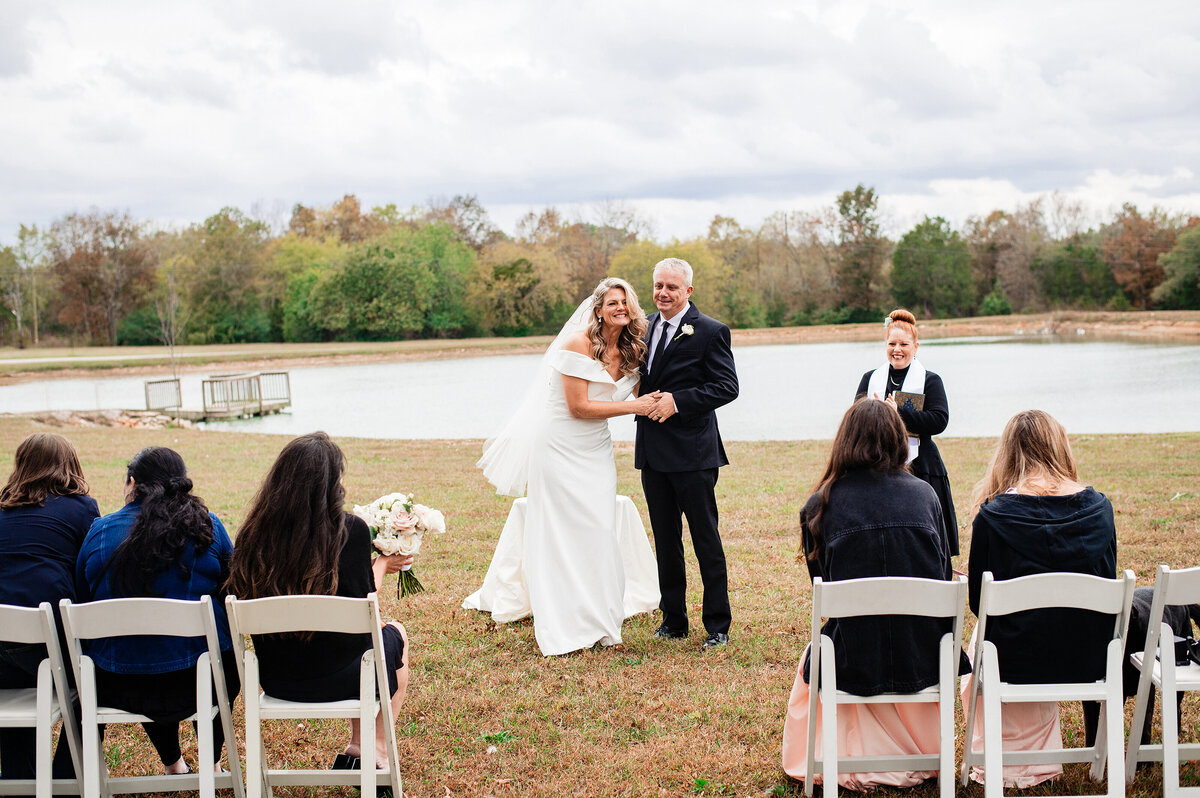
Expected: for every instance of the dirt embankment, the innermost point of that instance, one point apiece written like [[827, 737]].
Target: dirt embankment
[[1178, 326]]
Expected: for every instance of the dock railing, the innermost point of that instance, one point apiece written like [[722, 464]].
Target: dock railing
[[163, 395]]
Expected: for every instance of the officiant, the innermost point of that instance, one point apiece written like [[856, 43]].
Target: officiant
[[921, 399]]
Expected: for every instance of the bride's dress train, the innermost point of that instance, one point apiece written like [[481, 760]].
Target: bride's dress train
[[574, 554]]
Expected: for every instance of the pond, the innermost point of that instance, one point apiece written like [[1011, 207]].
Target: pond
[[793, 392]]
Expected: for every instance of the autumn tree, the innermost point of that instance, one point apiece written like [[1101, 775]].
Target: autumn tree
[[862, 252], [12, 285], [1132, 249], [1073, 273], [1180, 287], [402, 284], [519, 288], [225, 282], [104, 268], [468, 218], [710, 275], [931, 270]]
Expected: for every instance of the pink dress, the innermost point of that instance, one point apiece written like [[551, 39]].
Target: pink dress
[[863, 730], [1027, 726]]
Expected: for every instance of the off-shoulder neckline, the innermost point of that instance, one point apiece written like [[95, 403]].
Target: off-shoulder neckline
[[600, 366]]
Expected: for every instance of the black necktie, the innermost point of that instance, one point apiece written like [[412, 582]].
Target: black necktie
[[664, 332]]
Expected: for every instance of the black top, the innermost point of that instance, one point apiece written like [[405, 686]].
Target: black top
[[880, 524], [925, 423], [1016, 535], [697, 370], [38, 549], [289, 658]]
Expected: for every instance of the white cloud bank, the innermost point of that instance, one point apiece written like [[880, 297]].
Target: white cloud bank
[[173, 110]]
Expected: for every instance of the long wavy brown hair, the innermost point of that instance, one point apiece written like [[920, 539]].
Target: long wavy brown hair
[[1033, 446], [630, 343], [871, 437], [45, 464], [295, 531]]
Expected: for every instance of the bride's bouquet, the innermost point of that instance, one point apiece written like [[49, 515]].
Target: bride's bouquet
[[397, 526]]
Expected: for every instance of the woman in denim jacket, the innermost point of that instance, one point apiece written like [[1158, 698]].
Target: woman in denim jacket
[[870, 517], [163, 543]]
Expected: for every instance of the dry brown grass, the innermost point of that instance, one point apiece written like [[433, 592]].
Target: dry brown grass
[[645, 718]]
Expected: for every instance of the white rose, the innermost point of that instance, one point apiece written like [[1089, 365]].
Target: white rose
[[431, 520]]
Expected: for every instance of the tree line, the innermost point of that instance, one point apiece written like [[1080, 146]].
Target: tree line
[[341, 273]]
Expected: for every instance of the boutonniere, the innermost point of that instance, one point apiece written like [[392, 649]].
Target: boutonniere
[[686, 329]]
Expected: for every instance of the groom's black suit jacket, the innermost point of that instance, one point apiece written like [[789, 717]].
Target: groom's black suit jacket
[[698, 371]]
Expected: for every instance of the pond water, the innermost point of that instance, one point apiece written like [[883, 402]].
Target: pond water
[[794, 392]]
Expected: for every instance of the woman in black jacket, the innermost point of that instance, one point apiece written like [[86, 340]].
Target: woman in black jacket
[[903, 372], [1032, 515], [870, 517]]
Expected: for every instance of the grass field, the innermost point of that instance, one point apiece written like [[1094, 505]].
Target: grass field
[[486, 715]]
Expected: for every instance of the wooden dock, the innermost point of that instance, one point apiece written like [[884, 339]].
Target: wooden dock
[[225, 396]]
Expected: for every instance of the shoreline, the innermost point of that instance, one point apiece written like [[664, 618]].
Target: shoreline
[[1181, 327]]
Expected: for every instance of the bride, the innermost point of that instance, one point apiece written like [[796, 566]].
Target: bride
[[568, 563]]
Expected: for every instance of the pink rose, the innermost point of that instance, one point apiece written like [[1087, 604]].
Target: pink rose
[[402, 522]]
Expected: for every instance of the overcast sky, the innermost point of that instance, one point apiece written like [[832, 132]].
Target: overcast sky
[[683, 110]]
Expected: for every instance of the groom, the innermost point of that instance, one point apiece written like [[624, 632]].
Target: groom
[[690, 365]]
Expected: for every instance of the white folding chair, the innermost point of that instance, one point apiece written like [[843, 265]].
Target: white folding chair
[[42, 706], [891, 595], [282, 614], [1049, 591], [151, 616], [1170, 588]]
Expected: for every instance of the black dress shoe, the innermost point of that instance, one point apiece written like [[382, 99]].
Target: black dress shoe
[[716, 639], [665, 632]]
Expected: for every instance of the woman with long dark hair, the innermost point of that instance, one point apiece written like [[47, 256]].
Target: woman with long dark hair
[[163, 543], [298, 539], [45, 512], [870, 517]]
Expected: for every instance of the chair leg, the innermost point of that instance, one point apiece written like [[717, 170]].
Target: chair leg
[[205, 745], [993, 736], [366, 692], [948, 668], [43, 775], [829, 747], [1170, 724], [93, 752], [810, 753], [255, 757]]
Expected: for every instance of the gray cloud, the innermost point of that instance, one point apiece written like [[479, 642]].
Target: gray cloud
[[16, 38], [175, 112]]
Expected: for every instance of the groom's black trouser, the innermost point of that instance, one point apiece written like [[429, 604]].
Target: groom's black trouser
[[669, 497]]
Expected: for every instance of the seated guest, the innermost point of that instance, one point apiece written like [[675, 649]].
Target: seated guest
[[163, 543], [298, 540], [45, 512], [870, 517], [1032, 515]]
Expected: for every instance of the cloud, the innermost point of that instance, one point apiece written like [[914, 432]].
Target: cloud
[[346, 38], [684, 110], [16, 38]]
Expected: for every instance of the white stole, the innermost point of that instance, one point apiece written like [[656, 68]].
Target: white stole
[[914, 382]]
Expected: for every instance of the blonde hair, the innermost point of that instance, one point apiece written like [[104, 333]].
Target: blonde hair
[[1033, 446], [905, 319], [630, 344]]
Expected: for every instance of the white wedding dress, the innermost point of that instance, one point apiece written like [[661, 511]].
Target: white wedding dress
[[574, 553]]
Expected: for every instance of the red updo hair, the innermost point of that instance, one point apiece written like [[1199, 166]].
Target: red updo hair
[[905, 319]]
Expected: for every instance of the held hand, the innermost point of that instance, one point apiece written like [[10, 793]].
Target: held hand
[[392, 563], [664, 408], [642, 405]]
